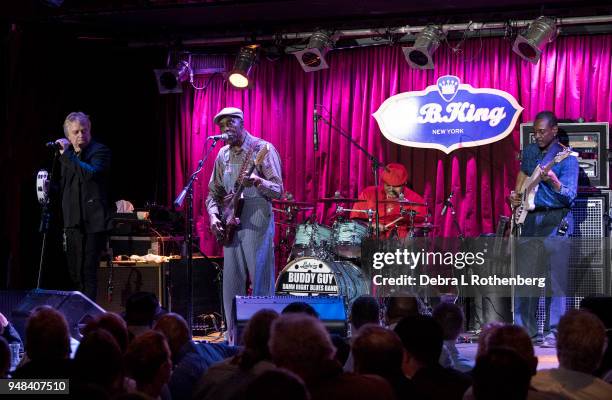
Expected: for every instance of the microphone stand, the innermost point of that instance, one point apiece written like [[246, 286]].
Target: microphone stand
[[455, 221], [45, 217], [375, 166], [187, 194]]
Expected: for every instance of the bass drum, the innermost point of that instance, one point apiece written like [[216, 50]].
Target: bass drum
[[309, 276]]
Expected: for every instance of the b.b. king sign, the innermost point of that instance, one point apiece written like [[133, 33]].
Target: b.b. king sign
[[448, 116]]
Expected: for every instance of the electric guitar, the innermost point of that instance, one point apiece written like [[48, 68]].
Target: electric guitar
[[233, 202], [530, 185]]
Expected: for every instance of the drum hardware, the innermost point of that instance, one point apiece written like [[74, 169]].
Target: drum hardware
[[292, 203], [401, 202], [339, 200]]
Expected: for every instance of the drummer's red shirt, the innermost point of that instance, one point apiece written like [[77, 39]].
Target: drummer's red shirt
[[389, 211]]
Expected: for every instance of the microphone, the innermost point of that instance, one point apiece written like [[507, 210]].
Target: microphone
[[315, 133], [53, 145], [446, 203], [224, 136]]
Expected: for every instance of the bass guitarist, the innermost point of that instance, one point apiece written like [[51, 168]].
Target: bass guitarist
[[249, 252], [543, 247]]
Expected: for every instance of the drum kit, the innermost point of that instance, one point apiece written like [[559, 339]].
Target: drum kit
[[324, 259]]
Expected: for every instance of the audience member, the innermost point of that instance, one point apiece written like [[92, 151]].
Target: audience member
[[277, 384], [602, 308], [501, 374], [301, 344], [300, 307], [190, 359], [98, 365], [47, 346], [422, 339], [364, 310], [8, 332], [113, 324], [399, 307], [141, 309], [230, 378], [343, 348], [581, 342], [379, 351], [148, 362], [515, 338], [451, 320], [5, 358]]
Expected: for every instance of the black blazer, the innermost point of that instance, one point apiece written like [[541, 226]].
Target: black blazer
[[84, 184]]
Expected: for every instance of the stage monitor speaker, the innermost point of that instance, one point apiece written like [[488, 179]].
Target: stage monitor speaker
[[206, 291], [117, 283], [76, 307], [330, 309], [590, 213]]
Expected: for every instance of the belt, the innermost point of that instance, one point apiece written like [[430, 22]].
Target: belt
[[547, 209]]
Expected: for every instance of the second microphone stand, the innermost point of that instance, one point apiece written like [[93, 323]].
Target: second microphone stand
[[187, 193], [375, 165]]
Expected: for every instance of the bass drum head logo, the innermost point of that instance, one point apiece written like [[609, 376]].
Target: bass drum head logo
[[448, 115]]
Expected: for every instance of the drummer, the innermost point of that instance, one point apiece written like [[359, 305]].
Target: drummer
[[394, 177]]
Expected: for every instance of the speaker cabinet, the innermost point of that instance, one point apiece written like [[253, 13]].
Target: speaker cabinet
[[207, 275], [118, 282], [76, 307]]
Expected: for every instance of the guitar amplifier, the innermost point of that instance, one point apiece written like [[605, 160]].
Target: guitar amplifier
[[118, 282], [143, 245]]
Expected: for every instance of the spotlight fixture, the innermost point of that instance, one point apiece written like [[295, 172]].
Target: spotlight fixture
[[313, 57], [168, 80], [419, 56], [529, 44], [239, 76]]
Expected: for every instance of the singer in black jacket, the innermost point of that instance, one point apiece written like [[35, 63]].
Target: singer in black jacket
[[85, 168]]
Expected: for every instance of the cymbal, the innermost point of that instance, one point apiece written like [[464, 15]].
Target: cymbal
[[402, 202], [293, 203], [339, 200], [426, 225], [285, 224]]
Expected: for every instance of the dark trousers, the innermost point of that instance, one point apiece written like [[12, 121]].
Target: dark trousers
[[83, 253]]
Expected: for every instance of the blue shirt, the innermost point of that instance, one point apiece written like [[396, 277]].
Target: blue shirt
[[193, 360], [566, 171]]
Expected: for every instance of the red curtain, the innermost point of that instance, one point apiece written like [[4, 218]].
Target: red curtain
[[573, 79]]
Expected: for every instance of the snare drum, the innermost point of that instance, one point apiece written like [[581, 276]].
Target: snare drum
[[310, 276], [347, 238]]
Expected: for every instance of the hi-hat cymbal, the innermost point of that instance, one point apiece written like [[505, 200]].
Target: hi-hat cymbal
[[339, 200], [292, 203], [402, 202]]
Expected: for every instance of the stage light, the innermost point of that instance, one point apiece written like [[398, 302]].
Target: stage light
[[529, 44], [239, 76], [168, 80], [427, 41], [313, 57]]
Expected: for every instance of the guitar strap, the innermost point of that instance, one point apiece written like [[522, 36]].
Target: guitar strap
[[552, 152], [244, 167]]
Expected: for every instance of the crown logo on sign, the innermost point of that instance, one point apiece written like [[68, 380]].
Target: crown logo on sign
[[448, 86]]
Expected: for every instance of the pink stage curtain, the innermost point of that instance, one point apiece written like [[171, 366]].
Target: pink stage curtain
[[573, 79]]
